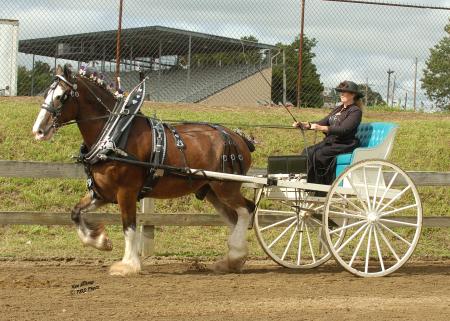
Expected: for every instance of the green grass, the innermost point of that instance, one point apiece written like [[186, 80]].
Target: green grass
[[422, 143]]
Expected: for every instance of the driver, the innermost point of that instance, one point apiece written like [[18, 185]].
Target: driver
[[340, 128]]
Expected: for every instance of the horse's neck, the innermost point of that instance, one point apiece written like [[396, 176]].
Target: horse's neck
[[90, 127]]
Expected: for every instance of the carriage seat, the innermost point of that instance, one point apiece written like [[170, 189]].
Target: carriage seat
[[376, 141]]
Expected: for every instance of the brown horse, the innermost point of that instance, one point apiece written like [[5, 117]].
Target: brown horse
[[87, 104]]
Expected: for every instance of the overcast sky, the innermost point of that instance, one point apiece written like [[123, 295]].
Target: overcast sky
[[354, 41]]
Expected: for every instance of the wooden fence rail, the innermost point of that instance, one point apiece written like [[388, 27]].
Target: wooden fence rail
[[147, 218]]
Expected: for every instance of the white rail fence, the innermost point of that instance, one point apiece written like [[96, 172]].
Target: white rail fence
[[147, 218]]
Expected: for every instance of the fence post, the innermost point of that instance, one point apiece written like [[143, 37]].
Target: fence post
[[147, 232]]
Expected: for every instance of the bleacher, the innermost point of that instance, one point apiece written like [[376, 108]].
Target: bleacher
[[173, 85]]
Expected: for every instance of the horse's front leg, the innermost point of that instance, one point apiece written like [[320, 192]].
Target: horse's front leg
[[130, 264], [91, 234]]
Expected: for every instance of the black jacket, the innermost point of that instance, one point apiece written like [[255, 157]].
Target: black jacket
[[342, 128]]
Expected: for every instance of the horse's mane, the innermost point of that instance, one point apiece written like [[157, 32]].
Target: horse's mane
[[97, 79]]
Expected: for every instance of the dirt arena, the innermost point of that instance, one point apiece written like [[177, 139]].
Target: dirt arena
[[189, 290]]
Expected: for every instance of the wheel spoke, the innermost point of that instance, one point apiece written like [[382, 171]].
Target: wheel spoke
[[376, 187], [350, 180], [366, 266], [347, 227], [300, 238], [398, 222], [366, 189], [377, 244], [386, 190], [351, 237], [387, 242], [289, 243], [398, 210], [395, 198], [394, 233], [281, 235], [278, 223], [346, 210], [355, 253], [309, 242], [350, 202], [342, 214]]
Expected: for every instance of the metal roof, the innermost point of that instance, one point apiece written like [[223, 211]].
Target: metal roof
[[135, 42]]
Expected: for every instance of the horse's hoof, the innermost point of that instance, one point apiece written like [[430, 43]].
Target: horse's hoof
[[221, 266], [106, 245], [227, 266], [124, 269]]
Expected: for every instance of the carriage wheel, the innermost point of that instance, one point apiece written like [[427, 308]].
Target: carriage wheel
[[289, 228], [384, 215]]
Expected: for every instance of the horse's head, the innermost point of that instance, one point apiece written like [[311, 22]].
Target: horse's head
[[59, 106]]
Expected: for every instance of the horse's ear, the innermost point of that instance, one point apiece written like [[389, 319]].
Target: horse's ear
[[59, 71], [68, 71]]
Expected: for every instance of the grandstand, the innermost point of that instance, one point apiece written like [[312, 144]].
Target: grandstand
[[182, 66]]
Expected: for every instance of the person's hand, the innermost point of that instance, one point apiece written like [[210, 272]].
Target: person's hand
[[315, 127], [303, 125], [319, 128]]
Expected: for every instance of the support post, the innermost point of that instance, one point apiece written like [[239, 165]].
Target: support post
[[415, 85], [300, 54], [147, 232], [32, 79], [388, 85], [284, 77], [188, 76], [158, 87]]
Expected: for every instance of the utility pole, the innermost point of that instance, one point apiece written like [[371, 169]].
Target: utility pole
[[389, 85], [406, 98], [284, 77], [393, 91], [119, 31], [366, 97], [415, 85], [300, 54]]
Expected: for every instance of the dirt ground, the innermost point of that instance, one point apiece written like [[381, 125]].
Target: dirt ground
[[189, 290]]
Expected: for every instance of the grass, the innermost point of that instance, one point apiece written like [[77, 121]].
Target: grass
[[422, 144]]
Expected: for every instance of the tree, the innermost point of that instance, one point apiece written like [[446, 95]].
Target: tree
[[43, 75], [373, 97], [311, 87], [436, 80]]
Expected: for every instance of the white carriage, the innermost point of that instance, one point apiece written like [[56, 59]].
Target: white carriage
[[369, 221]]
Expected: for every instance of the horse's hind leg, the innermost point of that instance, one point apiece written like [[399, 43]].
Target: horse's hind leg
[[91, 234], [229, 195]]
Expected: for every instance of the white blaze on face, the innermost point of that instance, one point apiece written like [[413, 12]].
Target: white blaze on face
[[42, 128]]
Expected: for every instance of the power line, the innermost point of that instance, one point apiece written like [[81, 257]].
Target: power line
[[390, 4]]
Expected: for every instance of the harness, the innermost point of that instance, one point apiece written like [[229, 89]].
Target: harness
[[112, 141]]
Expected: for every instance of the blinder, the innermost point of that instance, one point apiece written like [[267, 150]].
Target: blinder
[[72, 92]]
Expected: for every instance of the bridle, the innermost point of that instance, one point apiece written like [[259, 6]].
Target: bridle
[[71, 92], [51, 108]]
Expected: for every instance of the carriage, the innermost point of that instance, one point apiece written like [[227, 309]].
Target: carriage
[[369, 219]]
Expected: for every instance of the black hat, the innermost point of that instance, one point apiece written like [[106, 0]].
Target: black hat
[[349, 87]]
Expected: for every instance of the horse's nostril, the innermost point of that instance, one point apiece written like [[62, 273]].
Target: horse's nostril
[[40, 132]]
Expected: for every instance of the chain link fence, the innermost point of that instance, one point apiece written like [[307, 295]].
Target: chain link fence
[[228, 52]]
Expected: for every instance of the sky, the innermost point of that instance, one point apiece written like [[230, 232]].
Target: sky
[[355, 42]]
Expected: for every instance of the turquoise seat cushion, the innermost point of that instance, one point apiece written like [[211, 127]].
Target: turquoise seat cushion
[[344, 159], [369, 135]]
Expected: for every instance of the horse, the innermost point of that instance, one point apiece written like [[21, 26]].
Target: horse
[[73, 98]]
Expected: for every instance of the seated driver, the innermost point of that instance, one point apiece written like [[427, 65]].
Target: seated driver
[[340, 128]]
